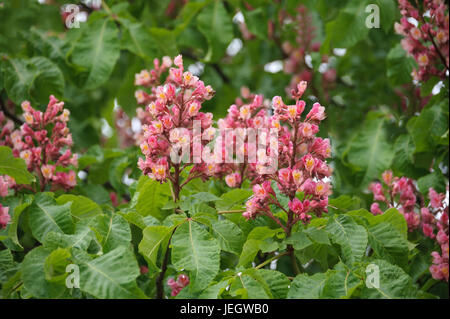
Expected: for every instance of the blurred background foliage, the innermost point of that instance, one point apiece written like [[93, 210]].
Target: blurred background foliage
[[378, 118]]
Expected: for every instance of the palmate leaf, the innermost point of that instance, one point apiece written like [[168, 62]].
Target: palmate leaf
[[195, 250], [96, 51], [352, 237], [370, 151], [112, 275], [14, 167], [46, 216]]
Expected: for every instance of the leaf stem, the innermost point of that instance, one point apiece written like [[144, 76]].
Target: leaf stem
[[271, 259]]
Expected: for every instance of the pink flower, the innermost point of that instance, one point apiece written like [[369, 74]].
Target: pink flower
[[317, 112], [47, 171], [375, 209], [442, 237], [176, 286], [387, 177], [428, 230], [4, 216], [296, 206], [435, 198], [144, 270], [233, 180]]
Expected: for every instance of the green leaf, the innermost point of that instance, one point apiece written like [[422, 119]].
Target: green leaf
[[277, 282], [155, 239], [403, 161], [394, 283], [429, 126], [434, 180], [46, 216], [352, 237], [7, 264], [166, 41], [14, 224], [216, 25], [137, 219], [247, 287], [111, 276], [55, 265], [230, 236], [111, 231], [388, 243], [348, 28], [394, 218], [299, 241], [81, 238], [96, 51], [150, 197], [233, 199], [33, 275], [18, 76], [195, 250], [34, 79], [249, 251], [341, 283], [399, 66], [256, 21], [370, 152], [136, 38], [82, 207], [388, 13], [307, 287], [48, 80], [14, 167], [317, 235]]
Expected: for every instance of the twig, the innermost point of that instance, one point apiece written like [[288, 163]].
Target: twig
[[231, 211]]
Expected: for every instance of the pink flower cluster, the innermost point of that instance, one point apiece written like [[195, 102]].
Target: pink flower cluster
[[44, 142], [302, 165], [248, 113], [172, 109], [176, 286], [428, 41], [432, 219], [6, 183], [295, 62]]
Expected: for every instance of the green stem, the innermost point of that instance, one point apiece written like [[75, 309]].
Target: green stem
[[430, 283], [268, 261]]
